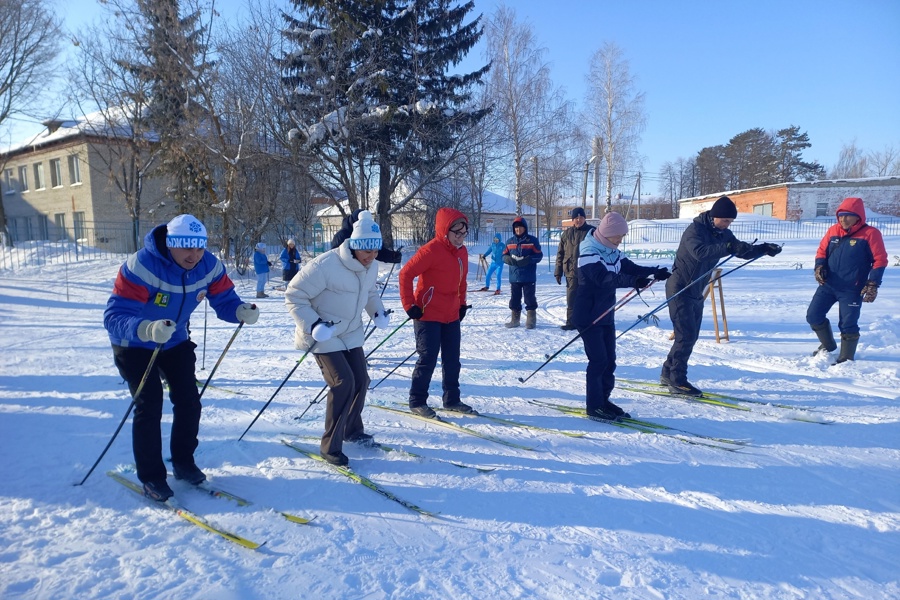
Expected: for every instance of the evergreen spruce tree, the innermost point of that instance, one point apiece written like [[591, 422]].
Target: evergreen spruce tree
[[173, 47], [369, 88]]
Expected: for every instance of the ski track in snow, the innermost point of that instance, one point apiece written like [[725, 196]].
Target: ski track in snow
[[805, 511]]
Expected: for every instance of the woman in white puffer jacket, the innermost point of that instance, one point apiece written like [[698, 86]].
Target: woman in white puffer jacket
[[326, 300]]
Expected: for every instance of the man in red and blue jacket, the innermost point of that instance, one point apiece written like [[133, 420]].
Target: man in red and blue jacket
[[522, 254], [154, 295], [850, 263]]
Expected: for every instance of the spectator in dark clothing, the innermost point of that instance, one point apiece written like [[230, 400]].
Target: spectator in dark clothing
[[602, 268], [290, 261], [705, 241], [567, 260], [522, 254], [850, 264], [385, 255]]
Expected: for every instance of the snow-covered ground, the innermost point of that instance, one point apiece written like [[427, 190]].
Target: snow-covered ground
[[807, 510]]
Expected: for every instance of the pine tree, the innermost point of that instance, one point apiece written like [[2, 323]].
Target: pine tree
[[172, 48], [369, 89]]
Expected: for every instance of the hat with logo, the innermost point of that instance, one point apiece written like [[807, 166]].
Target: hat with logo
[[366, 233], [185, 231]]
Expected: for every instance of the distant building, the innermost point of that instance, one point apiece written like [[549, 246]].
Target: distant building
[[805, 200]]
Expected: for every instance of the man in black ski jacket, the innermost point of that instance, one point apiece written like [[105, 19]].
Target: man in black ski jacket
[[385, 255], [706, 240], [567, 259]]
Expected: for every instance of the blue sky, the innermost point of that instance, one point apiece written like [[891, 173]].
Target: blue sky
[[713, 69]]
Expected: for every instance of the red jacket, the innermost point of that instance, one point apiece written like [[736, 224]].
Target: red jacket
[[442, 270], [855, 256]]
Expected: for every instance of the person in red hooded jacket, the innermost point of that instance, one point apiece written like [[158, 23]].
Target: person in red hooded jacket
[[850, 263], [437, 306]]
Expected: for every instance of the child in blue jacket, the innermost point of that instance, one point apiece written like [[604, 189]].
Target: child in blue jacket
[[495, 251]]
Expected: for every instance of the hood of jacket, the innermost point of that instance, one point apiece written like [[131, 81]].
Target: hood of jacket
[[442, 222], [854, 205], [520, 221]]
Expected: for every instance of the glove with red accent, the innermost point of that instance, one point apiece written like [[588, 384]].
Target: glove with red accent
[[248, 313], [869, 292]]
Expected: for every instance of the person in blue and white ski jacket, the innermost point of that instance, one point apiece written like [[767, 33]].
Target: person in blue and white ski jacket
[[602, 268]]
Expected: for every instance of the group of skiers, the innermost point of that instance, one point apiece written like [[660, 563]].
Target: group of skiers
[[159, 287]]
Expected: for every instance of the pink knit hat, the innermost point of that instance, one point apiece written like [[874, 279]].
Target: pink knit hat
[[611, 225]]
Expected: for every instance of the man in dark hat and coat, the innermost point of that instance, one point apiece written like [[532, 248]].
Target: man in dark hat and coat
[[706, 240], [567, 259]]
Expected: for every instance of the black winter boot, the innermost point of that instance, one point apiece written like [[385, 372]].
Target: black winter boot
[[848, 347], [826, 337], [514, 321]]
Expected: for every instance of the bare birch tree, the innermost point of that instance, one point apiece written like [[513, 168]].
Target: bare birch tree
[[615, 111]]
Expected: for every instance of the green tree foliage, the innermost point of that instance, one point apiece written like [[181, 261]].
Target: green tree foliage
[[369, 91], [756, 158]]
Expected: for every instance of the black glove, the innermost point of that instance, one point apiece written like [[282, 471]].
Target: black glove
[[869, 292], [414, 312], [661, 274], [559, 279], [739, 248], [641, 282], [771, 249], [821, 274], [392, 256], [463, 310]]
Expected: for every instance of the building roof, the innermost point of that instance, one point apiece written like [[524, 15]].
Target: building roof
[[825, 183]]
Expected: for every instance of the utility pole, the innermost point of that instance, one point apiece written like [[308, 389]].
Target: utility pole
[[639, 195], [597, 152], [537, 200]]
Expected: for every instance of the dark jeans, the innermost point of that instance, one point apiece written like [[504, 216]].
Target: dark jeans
[[517, 290], [600, 348], [849, 306], [433, 338], [571, 287], [178, 366], [686, 313], [347, 379], [288, 274]]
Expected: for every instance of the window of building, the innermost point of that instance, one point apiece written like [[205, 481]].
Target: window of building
[[60, 220], [8, 181], [23, 179], [821, 209], [763, 209], [39, 176], [78, 223], [74, 170], [55, 173]]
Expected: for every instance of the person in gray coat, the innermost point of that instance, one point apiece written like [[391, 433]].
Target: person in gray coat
[[567, 260]]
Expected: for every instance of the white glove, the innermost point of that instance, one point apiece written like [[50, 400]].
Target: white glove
[[159, 332], [382, 320], [518, 257], [322, 332], [248, 313]]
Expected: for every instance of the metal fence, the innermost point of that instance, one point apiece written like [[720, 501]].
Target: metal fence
[[111, 245]]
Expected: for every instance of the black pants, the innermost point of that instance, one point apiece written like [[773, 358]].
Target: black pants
[[347, 379], [178, 365], [571, 286], [517, 290], [434, 338], [600, 348], [288, 274], [686, 312]]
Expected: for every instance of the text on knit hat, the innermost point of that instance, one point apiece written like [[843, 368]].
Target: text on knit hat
[[185, 231], [366, 233]]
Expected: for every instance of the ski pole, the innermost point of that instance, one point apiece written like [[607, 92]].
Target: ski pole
[[662, 305], [221, 356], [205, 308], [137, 393], [730, 271], [381, 295], [387, 311], [266, 405], [392, 370], [387, 337], [622, 302]]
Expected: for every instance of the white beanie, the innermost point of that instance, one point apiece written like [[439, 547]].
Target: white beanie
[[185, 231], [366, 233], [261, 247]]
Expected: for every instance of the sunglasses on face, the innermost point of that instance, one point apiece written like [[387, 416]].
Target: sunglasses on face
[[463, 230]]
